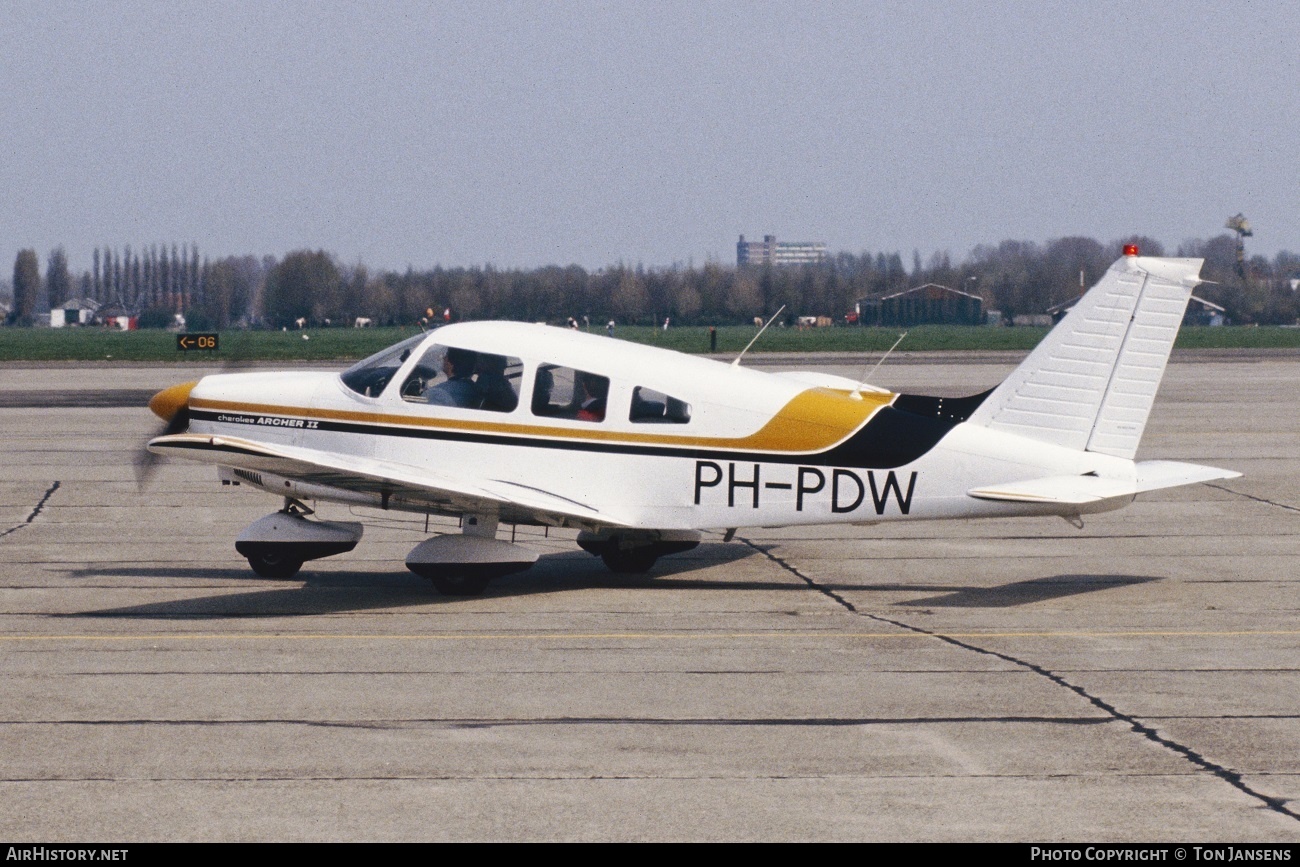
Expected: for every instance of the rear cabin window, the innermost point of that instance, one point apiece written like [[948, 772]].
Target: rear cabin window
[[464, 378], [655, 407], [563, 392]]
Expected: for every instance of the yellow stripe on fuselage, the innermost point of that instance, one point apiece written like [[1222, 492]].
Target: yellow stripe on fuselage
[[814, 420]]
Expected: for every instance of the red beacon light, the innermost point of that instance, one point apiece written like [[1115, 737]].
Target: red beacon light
[[1131, 250]]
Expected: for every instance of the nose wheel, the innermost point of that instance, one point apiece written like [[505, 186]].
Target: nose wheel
[[276, 546]]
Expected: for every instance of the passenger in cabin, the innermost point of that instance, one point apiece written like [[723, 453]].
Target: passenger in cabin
[[495, 391], [458, 389], [653, 407], [594, 390], [543, 386], [644, 408]]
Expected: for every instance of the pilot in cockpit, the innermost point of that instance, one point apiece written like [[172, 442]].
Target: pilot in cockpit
[[458, 389]]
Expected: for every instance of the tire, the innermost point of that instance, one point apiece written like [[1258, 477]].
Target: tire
[[270, 565], [630, 561], [460, 585]]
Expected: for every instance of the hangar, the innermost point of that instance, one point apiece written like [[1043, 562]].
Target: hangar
[[930, 304]]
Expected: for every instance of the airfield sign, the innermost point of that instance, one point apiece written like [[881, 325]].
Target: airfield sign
[[187, 342]]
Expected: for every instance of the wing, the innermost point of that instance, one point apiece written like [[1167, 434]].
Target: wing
[[389, 480]]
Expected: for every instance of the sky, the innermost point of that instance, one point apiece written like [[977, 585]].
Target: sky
[[519, 135]]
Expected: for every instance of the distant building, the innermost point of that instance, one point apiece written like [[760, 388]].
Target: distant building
[[770, 251], [75, 311], [922, 305], [116, 316]]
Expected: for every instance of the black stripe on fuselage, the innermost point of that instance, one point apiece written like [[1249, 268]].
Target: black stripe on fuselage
[[893, 437]]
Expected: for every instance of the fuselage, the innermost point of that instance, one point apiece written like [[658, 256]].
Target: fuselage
[[679, 442]]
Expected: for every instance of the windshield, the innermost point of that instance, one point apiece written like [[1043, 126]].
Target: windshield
[[371, 375]]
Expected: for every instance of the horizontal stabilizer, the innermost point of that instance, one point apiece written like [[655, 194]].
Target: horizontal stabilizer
[[1154, 475], [1058, 490], [1081, 490]]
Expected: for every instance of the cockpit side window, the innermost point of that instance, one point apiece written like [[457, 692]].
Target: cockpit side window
[[371, 376], [563, 392], [464, 378], [655, 407]]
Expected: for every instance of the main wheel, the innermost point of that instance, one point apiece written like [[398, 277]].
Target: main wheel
[[630, 561], [452, 584], [271, 565]]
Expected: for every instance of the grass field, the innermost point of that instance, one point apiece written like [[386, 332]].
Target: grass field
[[86, 344]]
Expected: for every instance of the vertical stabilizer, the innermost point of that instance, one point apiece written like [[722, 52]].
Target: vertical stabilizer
[[1090, 384]]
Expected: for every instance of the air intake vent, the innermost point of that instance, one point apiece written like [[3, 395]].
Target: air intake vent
[[250, 476]]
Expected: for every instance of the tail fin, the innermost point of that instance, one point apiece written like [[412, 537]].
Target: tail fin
[[1089, 385]]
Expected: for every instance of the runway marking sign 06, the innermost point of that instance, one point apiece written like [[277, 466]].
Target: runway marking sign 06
[[186, 342]]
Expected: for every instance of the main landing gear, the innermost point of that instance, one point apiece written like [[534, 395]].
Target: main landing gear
[[463, 565], [276, 546], [458, 565], [629, 553]]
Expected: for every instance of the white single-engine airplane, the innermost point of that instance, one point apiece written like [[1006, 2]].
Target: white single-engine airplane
[[641, 449]]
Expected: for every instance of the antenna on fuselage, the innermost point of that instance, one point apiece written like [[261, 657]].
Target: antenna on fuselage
[[736, 363], [867, 374]]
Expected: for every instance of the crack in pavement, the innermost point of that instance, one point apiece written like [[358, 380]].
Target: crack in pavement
[[36, 511], [1233, 778], [1263, 500]]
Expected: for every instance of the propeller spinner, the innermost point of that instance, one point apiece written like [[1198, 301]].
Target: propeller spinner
[[172, 405]]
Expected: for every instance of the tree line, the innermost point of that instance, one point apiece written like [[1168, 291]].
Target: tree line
[[1014, 277]]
